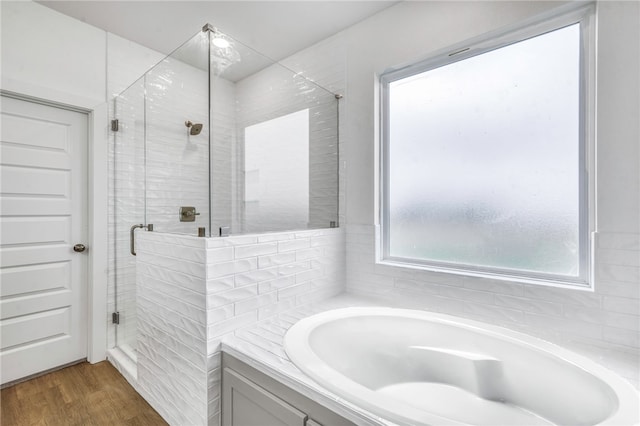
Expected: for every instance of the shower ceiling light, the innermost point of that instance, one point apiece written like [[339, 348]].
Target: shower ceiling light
[[221, 42], [223, 54]]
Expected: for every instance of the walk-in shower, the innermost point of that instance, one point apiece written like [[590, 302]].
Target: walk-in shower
[[241, 143]]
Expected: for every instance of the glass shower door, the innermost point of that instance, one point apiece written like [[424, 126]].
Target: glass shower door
[[128, 204], [160, 164]]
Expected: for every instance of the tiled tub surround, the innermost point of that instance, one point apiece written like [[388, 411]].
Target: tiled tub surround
[[191, 292], [603, 324], [260, 345]]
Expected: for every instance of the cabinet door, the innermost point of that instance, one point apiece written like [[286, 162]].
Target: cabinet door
[[247, 404]]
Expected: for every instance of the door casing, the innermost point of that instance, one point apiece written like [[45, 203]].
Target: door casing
[[97, 214]]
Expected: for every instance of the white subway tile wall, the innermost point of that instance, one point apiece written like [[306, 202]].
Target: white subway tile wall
[[172, 363], [599, 323], [176, 164], [223, 150], [277, 91], [153, 169], [264, 279], [191, 292]]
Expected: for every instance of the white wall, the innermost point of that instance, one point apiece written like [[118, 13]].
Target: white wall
[[126, 62], [618, 126], [604, 324], [48, 55]]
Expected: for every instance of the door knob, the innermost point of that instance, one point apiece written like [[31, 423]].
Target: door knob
[[79, 248]]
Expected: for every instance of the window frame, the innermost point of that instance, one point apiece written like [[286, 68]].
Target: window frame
[[553, 20]]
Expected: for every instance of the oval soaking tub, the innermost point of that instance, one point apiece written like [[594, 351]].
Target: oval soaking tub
[[421, 368]]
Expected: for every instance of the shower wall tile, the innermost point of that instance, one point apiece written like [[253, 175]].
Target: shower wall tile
[[284, 272], [258, 275], [235, 241], [172, 325], [192, 292], [603, 324], [276, 259], [148, 182], [275, 270], [255, 250], [277, 91], [248, 276], [153, 169], [290, 245], [217, 270], [223, 152], [215, 300]]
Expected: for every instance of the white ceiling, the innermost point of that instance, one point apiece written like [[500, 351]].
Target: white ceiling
[[274, 28]]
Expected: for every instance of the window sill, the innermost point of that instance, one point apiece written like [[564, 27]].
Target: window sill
[[487, 275]]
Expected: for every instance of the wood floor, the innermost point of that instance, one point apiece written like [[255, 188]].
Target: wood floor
[[83, 394]]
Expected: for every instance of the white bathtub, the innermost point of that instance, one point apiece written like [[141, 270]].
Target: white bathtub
[[421, 368]]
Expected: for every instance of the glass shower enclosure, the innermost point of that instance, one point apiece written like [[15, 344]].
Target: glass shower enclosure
[[215, 139]]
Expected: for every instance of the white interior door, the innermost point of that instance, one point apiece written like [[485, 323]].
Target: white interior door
[[43, 281]]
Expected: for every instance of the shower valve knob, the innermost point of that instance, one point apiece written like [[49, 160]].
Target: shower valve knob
[[188, 214]]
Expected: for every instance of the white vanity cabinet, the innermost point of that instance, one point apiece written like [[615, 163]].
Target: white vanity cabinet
[[251, 398]]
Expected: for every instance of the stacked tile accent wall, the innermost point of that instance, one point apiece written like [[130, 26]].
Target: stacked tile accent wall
[[603, 324], [176, 164], [171, 299], [192, 292]]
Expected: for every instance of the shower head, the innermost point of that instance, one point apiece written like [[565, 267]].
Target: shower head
[[195, 128]]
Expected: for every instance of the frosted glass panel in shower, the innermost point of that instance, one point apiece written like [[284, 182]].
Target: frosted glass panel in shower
[[177, 155], [484, 159]]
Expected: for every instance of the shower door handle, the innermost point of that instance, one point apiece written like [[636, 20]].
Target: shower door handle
[[132, 236]]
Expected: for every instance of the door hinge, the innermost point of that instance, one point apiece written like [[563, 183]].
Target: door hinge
[[115, 318], [115, 125]]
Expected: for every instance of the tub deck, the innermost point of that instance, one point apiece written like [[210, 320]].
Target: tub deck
[[261, 345]]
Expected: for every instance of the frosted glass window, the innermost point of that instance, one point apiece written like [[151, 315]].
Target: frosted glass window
[[484, 163]]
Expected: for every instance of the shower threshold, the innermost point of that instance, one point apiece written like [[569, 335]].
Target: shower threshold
[[124, 359]]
